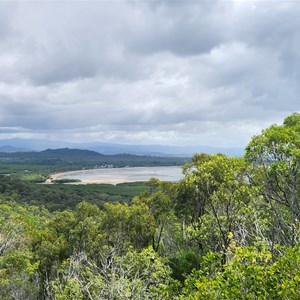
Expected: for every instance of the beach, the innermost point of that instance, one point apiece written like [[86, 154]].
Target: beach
[[119, 175]]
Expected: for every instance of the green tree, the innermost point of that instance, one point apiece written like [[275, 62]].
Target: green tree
[[223, 196], [134, 275], [250, 273], [161, 208], [276, 155], [19, 226], [124, 225]]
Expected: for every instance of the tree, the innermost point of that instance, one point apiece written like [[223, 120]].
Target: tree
[[276, 155], [18, 268], [250, 273], [124, 225], [221, 194], [161, 208], [134, 275]]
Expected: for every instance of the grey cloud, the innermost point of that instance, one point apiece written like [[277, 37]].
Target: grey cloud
[[6, 13], [58, 42], [179, 70], [183, 28]]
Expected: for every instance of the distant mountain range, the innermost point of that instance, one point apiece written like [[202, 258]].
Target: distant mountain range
[[23, 145]]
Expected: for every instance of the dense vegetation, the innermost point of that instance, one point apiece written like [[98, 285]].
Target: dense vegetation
[[62, 196], [229, 230]]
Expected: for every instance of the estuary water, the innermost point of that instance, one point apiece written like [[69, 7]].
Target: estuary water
[[120, 175]]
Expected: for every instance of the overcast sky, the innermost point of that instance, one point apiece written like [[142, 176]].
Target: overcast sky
[[148, 72]]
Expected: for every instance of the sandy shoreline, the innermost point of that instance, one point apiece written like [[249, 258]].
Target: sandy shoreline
[[124, 176], [57, 176]]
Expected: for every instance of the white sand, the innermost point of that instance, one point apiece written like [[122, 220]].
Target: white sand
[[57, 176]]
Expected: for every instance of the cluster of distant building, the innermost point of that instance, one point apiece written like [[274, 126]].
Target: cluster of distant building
[[107, 166]]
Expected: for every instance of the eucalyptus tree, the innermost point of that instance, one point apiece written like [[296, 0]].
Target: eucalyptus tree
[[218, 197], [276, 155], [134, 275]]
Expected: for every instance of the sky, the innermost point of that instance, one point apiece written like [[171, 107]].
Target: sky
[[201, 73]]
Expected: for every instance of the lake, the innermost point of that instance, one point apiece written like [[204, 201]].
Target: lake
[[121, 175]]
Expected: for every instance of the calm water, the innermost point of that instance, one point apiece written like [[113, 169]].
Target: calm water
[[119, 175]]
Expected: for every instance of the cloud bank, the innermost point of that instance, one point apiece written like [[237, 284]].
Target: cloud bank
[[151, 72]]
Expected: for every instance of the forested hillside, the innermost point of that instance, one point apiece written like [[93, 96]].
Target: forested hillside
[[229, 230]]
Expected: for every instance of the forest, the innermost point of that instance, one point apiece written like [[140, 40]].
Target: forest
[[230, 229]]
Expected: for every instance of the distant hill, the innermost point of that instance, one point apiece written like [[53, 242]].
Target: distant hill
[[69, 152], [55, 155], [112, 148]]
